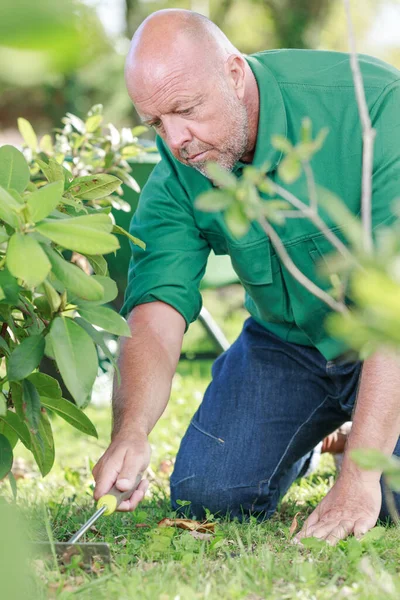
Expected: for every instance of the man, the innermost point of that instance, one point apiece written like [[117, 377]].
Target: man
[[283, 386]]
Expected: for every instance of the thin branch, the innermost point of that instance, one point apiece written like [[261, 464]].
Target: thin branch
[[297, 274], [368, 134]]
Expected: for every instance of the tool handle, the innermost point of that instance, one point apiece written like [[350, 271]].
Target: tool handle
[[114, 497]]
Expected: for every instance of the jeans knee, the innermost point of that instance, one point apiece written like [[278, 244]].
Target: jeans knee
[[235, 502]]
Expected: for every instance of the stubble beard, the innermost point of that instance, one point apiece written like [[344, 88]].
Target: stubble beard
[[238, 121]]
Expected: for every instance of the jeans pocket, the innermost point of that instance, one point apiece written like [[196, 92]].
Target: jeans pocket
[[210, 435]]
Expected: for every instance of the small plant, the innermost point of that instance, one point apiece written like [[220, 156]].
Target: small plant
[[56, 199]]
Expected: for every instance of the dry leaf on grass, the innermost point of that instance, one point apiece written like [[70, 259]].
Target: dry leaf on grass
[[142, 525], [188, 524], [294, 525]]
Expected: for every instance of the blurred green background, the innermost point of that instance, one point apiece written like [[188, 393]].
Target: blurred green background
[[59, 57]]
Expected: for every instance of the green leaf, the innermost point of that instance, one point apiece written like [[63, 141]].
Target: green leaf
[[53, 297], [213, 201], [10, 287], [110, 292], [46, 385], [46, 144], [376, 533], [25, 357], [306, 130], [3, 235], [10, 208], [6, 456], [73, 278], [138, 130], [76, 357], [70, 413], [3, 405], [93, 187], [281, 143], [45, 200], [14, 170], [127, 179], [19, 428], [93, 122], [236, 220], [106, 318], [52, 170], [342, 216], [98, 264], [135, 240], [9, 433], [372, 459], [98, 338], [88, 234], [289, 168], [27, 260], [221, 176], [43, 444], [27, 132], [31, 405]]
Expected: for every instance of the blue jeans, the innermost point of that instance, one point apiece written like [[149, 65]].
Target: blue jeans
[[268, 406]]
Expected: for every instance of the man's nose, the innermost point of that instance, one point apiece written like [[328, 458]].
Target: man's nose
[[177, 135]]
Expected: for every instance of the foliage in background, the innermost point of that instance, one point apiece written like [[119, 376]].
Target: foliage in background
[[56, 198]]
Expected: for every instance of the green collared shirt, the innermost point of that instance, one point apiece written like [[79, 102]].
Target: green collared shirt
[[292, 84]]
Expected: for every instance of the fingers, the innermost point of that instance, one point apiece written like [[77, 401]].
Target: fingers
[[137, 496], [107, 471], [308, 524], [361, 528]]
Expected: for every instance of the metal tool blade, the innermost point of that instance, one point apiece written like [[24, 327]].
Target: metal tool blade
[[65, 551]]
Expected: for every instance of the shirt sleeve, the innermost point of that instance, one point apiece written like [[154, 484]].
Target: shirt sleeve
[[172, 265], [385, 118]]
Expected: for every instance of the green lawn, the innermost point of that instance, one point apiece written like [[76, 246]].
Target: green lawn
[[241, 561]]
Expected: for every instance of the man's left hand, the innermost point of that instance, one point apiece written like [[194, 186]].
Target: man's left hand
[[351, 506]]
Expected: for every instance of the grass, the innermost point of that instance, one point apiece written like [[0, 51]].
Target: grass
[[249, 561]]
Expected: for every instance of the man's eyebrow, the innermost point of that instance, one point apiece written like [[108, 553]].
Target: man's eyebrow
[[192, 101]]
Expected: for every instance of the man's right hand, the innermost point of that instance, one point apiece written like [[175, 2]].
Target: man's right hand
[[126, 457]]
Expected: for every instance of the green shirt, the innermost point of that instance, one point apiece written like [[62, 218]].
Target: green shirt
[[292, 84]]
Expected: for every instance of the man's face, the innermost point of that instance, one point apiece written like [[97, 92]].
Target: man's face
[[199, 118]]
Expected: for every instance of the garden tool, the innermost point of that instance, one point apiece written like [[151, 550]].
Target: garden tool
[[88, 551]]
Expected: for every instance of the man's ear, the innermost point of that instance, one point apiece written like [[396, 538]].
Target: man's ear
[[236, 72]]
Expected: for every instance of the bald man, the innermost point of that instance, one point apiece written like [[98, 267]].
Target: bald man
[[285, 384]]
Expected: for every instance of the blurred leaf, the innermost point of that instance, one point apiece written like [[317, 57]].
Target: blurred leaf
[[88, 234], [27, 132], [14, 170], [92, 187], [52, 296], [76, 122], [127, 179], [52, 170], [137, 131], [372, 459], [3, 405], [281, 143], [46, 385], [220, 176], [76, 357], [25, 357], [46, 144], [45, 200], [6, 456], [9, 208], [70, 413], [236, 220], [93, 122], [135, 240], [289, 168], [306, 130], [26, 259], [107, 319], [214, 201], [73, 278], [31, 405], [43, 444], [341, 215], [374, 534]]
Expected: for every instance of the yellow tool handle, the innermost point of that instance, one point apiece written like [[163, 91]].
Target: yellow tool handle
[[114, 497]]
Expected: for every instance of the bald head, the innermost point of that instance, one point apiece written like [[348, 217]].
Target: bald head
[[189, 81], [166, 34]]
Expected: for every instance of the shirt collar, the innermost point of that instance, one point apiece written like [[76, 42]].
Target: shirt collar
[[272, 117]]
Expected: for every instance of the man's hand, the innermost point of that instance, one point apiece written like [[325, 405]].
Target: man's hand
[[126, 457], [351, 506]]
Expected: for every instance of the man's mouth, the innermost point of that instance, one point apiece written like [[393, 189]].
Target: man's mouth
[[197, 157]]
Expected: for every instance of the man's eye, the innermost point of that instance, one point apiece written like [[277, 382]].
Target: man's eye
[[157, 124], [186, 111]]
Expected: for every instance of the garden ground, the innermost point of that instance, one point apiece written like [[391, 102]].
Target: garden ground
[[249, 561]]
